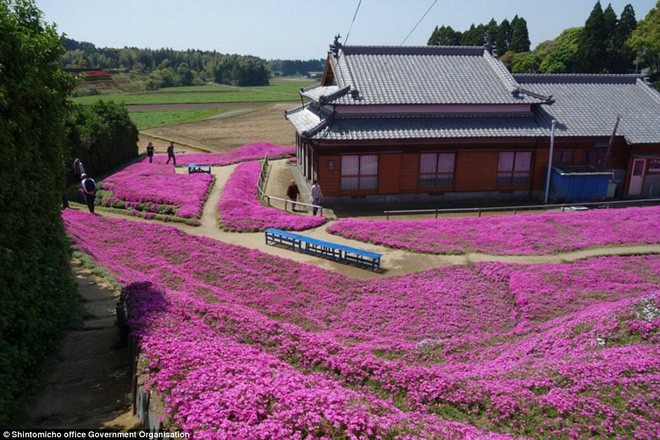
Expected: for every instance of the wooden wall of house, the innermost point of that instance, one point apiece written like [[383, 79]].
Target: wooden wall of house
[[475, 167], [409, 176], [329, 175], [581, 148], [389, 173], [539, 170], [475, 171]]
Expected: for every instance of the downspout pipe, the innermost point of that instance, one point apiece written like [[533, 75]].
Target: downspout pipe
[[552, 151]]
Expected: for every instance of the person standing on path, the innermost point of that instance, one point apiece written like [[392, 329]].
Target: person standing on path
[[150, 152], [78, 169], [170, 154], [89, 191], [316, 197], [292, 193]]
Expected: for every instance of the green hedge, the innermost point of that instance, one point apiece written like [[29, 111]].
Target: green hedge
[[103, 136], [37, 294]]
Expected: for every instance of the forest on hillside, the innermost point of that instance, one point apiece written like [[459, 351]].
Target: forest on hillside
[[168, 67], [607, 43]]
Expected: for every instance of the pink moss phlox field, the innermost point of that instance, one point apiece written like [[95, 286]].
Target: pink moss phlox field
[[241, 210], [521, 234], [252, 151], [145, 186], [241, 342]]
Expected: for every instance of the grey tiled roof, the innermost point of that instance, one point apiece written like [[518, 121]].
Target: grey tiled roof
[[588, 105], [583, 105], [306, 119], [385, 128], [423, 75], [320, 93]]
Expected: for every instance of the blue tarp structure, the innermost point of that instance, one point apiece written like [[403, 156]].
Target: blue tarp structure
[[578, 184]]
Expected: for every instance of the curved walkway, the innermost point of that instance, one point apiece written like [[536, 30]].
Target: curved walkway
[[394, 262]]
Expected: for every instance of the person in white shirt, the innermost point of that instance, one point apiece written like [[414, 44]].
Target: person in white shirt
[[89, 190], [316, 197]]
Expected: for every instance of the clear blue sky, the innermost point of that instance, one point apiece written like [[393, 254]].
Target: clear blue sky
[[300, 29]]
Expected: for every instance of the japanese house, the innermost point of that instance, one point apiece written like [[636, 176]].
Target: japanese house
[[410, 123]]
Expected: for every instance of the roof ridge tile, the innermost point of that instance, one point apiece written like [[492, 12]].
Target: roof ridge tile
[[646, 87], [503, 74]]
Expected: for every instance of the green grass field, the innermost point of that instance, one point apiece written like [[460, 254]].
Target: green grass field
[[151, 119], [280, 90]]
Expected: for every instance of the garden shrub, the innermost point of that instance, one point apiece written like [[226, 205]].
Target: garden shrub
[[103, 136]]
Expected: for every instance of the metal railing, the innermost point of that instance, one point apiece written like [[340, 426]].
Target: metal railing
[[515, 209]]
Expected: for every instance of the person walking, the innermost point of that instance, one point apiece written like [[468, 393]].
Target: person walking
[[292, 193], [316, 197], [89, 191], [170, 154], [78, 169], [150, 152]]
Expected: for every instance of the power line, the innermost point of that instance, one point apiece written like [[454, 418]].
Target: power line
[[351, 26], [420, 20]]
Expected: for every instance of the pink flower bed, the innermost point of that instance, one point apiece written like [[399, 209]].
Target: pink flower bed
[[255, 150], [157, 189], [522, 234], [243, 343], [241, 210]]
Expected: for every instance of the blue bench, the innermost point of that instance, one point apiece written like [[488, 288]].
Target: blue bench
[[324, 249], [193, 168]]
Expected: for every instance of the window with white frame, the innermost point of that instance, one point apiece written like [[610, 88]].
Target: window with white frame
[[436, 169], [359, 171], [514, 167]]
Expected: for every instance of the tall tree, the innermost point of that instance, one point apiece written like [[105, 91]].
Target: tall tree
[[503, 40], [36, 288], [592, 47], [612, 62], [627, 22], [491, 32], [475, 36], [645, 40], [622, 55], [519, 35], [610, 21], [444, 36]]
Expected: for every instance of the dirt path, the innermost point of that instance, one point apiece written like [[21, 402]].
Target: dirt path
[[89, 386], [239, 126]]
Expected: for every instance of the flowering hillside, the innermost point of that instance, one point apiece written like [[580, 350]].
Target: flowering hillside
[[156, 188], [240, 209], [522, 234], [243, 344], [255, 150]]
